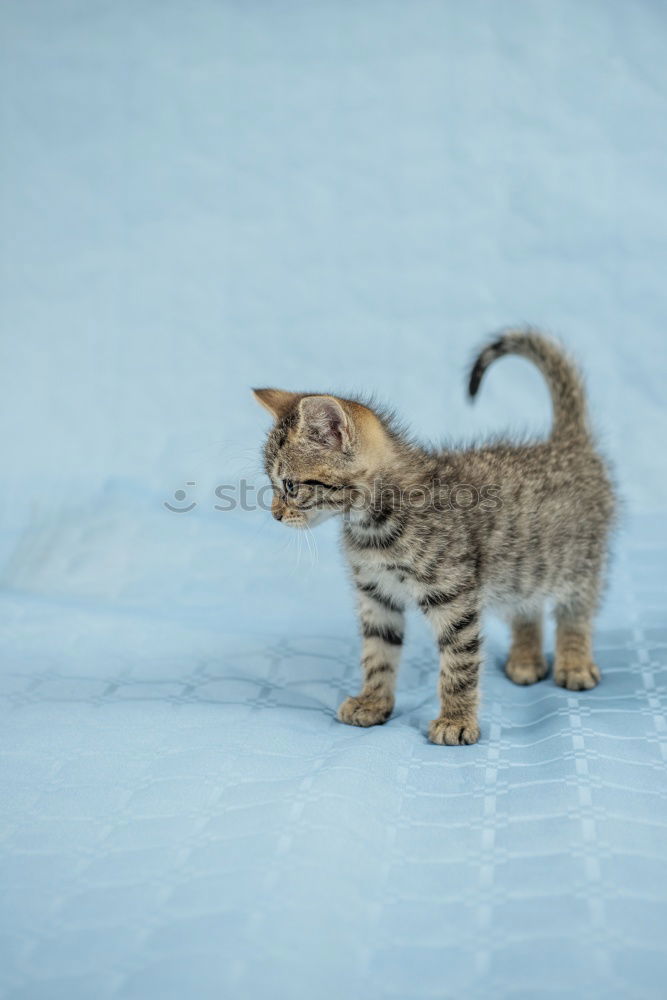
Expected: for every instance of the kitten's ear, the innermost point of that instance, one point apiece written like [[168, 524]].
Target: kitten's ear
[[277, 401], [325, 420]]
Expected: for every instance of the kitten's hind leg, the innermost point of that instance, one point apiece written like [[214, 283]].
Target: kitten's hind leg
[[526, 663], [574, 667]]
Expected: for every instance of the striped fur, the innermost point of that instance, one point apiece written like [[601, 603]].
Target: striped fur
[[536, 532], [382, 627]]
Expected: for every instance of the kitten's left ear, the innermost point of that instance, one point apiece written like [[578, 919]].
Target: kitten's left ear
[[277, 401], [326, 422]]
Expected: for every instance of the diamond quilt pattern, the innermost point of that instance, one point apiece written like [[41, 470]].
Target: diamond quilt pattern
[[201, 822]]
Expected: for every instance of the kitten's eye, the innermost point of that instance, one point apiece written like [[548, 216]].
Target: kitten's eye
[[290, 487]]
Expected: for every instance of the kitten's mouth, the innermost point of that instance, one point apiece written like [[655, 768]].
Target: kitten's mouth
[[293, 522], [314, 518]]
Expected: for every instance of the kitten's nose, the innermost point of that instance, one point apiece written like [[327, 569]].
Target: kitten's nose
[[277, 508]]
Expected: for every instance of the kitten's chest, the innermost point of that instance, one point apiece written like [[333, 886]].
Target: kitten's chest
[[395, 577], [402, 566], [395, 583]]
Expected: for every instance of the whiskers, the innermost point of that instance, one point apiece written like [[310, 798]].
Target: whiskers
[[311, 542], [302, 542]]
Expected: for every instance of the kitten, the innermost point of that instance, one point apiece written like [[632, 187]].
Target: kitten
[[503, 524]]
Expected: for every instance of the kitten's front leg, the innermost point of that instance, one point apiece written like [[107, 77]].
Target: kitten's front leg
[[382, 626], [455, 620]]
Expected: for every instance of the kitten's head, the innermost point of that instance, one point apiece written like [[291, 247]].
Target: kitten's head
[[321, 455]]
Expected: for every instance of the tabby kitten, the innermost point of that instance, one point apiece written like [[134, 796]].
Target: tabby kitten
[[505, 525]]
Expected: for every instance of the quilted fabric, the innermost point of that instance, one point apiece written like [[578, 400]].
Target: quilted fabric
[[182, 812], [197, 198]]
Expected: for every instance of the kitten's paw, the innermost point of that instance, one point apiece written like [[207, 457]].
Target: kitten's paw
[[365, 710], [526, 671], [576, 676], [453, 732]]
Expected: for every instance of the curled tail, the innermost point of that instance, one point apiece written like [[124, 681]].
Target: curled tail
[[564, 381]]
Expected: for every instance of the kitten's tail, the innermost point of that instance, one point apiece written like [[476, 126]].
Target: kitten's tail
[[564, 381]]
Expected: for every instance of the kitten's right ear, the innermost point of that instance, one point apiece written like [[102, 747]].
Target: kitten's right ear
[[277, 401], [326, 422]]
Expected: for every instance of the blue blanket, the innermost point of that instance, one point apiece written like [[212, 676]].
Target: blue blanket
[[345, 197]]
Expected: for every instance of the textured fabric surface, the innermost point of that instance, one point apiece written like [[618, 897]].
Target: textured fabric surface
[[200, 197], [181, 812]]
